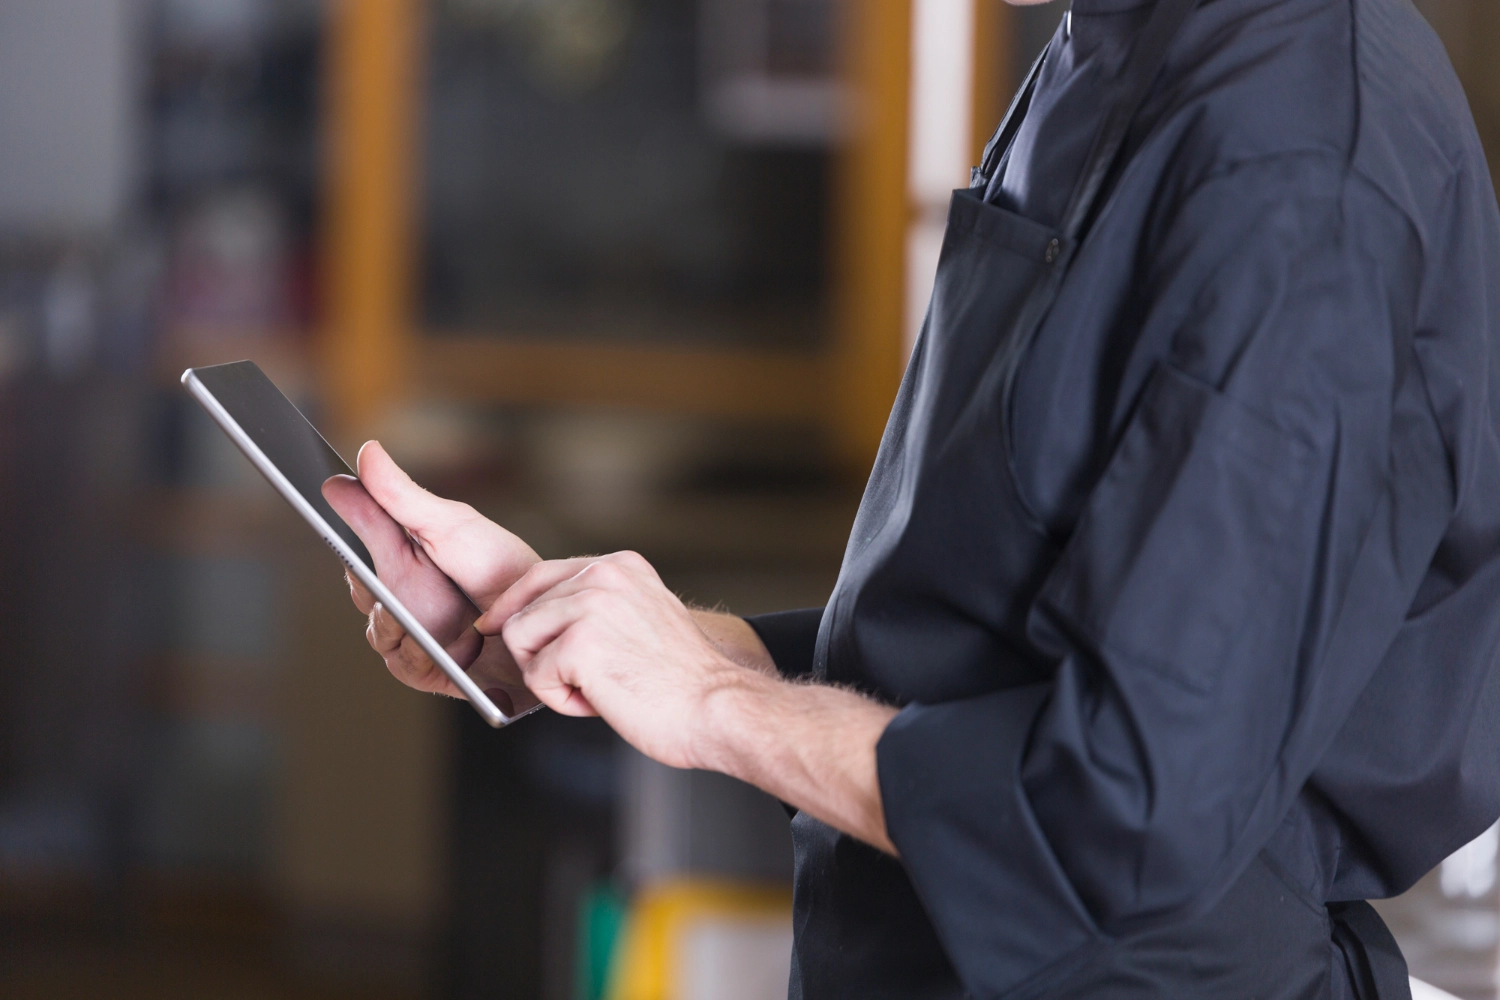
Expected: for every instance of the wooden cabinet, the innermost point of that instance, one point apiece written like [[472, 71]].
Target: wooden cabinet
[[375, 353]]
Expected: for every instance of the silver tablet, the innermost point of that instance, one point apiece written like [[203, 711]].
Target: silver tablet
[[295, 458]]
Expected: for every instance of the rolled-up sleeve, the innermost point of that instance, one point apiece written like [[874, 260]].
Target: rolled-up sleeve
[[790, 637], [1259, 528]]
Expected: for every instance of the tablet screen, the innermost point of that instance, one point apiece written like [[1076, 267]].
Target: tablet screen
[[281, 431]]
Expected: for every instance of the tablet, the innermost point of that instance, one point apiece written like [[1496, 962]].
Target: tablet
[[295, 458]]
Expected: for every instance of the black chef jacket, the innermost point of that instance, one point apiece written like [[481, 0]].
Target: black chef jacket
[[1236, 591]]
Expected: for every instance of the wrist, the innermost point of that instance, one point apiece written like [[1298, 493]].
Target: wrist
[[727, 717], [734, 637]]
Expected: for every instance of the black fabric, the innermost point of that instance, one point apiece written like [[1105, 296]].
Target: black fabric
[[789, 636], [1262, 940], [1207, 580], [1372, 961], [1039, 170]]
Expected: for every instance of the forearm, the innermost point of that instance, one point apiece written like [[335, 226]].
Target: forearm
[[735, 639], [810, 745]]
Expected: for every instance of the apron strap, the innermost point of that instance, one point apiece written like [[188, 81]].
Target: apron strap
[[1374, 962], [1000, 142], [1146, 59]]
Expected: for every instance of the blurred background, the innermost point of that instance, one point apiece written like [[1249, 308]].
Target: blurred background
[[620, 273]]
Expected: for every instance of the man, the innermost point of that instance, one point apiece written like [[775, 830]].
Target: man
[[1164, 636]]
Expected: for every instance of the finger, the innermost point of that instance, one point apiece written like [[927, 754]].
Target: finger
[[577, 705], [381, 534], [384, 633], [475, 552], [394, 490], [537, 581], [407, 661], [603, 573], [411, 665], [530, 631], [363, 599], [546, 684], [559, 578]]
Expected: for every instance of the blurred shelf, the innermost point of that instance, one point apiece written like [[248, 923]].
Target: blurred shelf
[[730, 531], [777, 385], [787, 386], [186, 934]]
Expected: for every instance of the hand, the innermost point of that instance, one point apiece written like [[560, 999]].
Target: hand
[[605, 636], [443, 543]]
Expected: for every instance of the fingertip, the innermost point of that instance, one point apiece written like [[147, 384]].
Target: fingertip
[[374, 458], [376, 468], [352, 502], [367, 451], [335, 487], [389, 484], [490, 623], [585, 707]]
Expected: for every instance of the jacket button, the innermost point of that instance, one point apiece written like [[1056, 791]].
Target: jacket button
[[1053, 249]]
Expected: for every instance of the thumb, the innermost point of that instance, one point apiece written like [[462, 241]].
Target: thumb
[[475, 552], [415, 508]]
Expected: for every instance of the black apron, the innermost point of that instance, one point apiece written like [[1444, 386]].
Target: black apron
[[999, 271]]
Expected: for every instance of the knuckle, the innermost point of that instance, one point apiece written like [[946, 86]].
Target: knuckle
[[604, 572], [383, 632]]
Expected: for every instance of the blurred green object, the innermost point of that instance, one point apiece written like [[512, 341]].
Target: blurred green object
[[601, 914]]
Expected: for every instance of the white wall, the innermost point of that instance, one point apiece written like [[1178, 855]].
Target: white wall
[[68, 104]]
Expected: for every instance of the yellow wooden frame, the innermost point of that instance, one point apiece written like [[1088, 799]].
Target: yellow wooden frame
[[374, 72]]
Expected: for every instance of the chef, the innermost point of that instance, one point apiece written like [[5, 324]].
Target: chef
[[1165, 635]]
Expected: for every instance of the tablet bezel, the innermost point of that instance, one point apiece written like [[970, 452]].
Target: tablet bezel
[[481, 702]]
